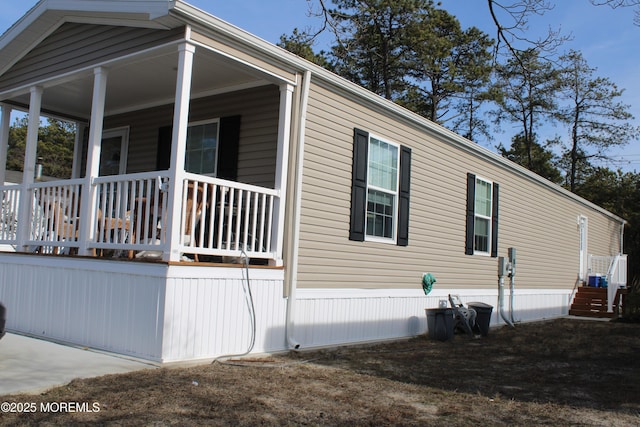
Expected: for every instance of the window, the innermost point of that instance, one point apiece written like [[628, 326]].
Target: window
[[202, 147], [482, 229], [227, 144], [113, 152], [380, 190], [482, 216]]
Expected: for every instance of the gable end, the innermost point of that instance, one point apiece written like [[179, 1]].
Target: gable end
[[75, 46]]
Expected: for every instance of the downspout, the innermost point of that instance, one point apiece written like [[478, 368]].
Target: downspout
[[293, 278]]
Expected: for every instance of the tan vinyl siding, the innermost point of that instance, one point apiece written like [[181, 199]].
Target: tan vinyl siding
[[603, 238], [540, 222], [75, 46], [258, 109]]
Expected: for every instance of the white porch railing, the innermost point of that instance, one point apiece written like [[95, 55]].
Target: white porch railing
[[9, 215], [226, 218], [218, 217], [614, 269], [55, 215], [128, 212]]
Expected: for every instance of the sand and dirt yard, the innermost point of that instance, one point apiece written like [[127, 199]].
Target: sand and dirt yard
[[556, 372]]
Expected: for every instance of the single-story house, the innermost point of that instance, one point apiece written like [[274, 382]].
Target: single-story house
[[229, 197]]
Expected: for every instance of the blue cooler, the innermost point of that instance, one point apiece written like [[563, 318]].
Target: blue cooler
[[596, 281]]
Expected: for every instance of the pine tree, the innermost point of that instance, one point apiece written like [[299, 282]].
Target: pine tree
[[525, 96], [597, 120]]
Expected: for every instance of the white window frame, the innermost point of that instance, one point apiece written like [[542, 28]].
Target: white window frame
[[215, 160], [395, 193], [489, 218], [123, 134]]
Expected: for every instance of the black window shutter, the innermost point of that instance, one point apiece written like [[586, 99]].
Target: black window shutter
[[471, 206], [163, 155], [494, 220], [359, 185], [403, 205], [228, 144]]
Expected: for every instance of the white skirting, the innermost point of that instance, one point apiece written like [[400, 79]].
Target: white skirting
[[151, 311], [179, 313], [331, 317]]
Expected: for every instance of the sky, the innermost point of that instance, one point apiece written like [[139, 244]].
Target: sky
[[607, 38]]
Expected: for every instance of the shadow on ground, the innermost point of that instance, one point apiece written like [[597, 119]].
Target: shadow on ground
[[583, 363]]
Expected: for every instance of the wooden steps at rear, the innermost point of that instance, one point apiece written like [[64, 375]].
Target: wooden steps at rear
[[592, 302]]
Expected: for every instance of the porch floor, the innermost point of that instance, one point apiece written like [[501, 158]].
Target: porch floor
[[204, 261]]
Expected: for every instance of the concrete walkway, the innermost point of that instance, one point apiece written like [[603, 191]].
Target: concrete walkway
[[31, 365]]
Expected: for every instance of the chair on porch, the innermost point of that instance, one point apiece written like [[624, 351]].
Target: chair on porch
[[144, 227], [192, 213], [59, 224], [111, 229]]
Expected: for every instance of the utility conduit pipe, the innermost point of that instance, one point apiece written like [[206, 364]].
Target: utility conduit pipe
[[512, 282], [502, 271]]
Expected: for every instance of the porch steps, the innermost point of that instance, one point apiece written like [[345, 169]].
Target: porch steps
[[592, 302]]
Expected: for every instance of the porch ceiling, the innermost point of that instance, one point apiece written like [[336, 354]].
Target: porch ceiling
[[142, 82]]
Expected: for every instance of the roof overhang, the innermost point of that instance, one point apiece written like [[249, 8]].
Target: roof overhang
[[48, 15], [148, 78]]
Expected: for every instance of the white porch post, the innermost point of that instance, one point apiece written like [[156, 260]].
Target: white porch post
[[93, 158], [178, 148], [5, 125], [24, 211], [282, 167]]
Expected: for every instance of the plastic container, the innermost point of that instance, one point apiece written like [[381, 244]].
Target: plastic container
[[3, 319], [595, 281], [440, 323], [483, 317]]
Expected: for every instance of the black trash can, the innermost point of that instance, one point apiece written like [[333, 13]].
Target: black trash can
[[3, 319], [440, 323], [483, 317]]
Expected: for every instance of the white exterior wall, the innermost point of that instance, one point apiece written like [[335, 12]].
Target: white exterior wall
[[328, 317], [126, 308], [105, 305], [151, 311], [206, 317]]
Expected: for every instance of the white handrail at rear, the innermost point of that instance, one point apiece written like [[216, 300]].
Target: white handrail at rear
[[614, 269]]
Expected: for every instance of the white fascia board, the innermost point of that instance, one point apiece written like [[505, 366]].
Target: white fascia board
[[147, 9]]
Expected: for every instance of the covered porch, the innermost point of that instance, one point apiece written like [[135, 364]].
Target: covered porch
[[183, 128], [181, 153]]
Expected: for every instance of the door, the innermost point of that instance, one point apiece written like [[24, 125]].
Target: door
[[113, 152], [583, 228]]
